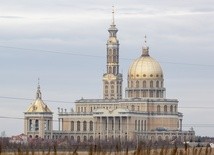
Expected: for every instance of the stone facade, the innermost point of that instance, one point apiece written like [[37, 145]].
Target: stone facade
[[144, 114]]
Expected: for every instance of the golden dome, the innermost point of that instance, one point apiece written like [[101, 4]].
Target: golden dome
[[38, 105], [145, 67]]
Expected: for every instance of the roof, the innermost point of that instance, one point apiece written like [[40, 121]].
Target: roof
[[38, 105]]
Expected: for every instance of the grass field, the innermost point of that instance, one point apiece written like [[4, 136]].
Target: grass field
[[138, 151]]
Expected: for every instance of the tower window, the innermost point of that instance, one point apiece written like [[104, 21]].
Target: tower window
[[84, 126], [36, 125], [30, 125], [91, 126], [78, 125], [72, 125], [158, 108]]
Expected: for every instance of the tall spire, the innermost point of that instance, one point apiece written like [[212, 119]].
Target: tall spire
[[38, 93], [112, 79], [145, 47], [113, 15]]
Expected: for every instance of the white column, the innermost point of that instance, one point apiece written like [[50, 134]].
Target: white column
[[100, 128]]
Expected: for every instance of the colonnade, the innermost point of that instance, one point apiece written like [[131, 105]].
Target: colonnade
[[112, 127]]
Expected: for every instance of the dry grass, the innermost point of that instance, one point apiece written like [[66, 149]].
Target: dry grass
[[139, 151]]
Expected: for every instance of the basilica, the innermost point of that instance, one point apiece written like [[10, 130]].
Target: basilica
[[145, 113]]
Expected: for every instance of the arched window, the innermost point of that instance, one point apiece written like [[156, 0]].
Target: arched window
[[84, 126], [145, 125], [137, 94], [158, 108], [142, 125], [110, 70], [106, 86], [36, 125], [72, 138], [175, 108], [157, 84], [138, 125], [151, 93], [78, 125], [133, 108], [78, 139], [85, 139], [131, 83], [114, 59], [72, 125], [91, 138], [144, 93], [151, 84], [135, 124], [161, 83], [114, 70], [91, 126], [171, 108], [165, 108], [30, 125], [144, 84], [157, 94], [110, 51], [137, 84]]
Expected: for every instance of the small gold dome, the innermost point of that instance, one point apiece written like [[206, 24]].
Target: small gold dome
[[145, 67], [38, 105]]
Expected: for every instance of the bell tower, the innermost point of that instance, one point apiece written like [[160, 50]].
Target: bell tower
[[38, 119], [112, 79]]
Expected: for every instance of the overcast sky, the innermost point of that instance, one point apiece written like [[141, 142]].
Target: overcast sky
[[63, 42]]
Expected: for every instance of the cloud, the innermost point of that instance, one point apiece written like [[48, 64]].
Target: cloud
[[11, 17]]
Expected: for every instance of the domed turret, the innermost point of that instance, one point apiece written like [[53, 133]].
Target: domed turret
[[38, 120], [145, 77]]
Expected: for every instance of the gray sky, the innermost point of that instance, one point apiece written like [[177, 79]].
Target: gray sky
[[180, 35]]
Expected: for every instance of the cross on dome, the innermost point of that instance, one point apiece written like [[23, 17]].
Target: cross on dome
[[145, 47]]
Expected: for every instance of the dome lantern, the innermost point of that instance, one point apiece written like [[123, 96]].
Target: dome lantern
[[145, 48]]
